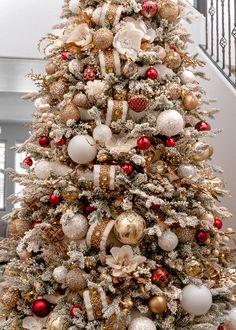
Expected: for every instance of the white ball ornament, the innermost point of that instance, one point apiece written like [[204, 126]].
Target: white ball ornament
[[43, 169], [187, 77], [168, 241], [76, 227], [82, 149], [170, 123], [231, 320], [186, 171], [142, 323], [74, 6], [102, 133], [196, 300], [59, 274]]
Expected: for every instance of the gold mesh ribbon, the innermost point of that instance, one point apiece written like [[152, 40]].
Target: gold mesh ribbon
[[117, 110], [97, 234], [96, 303], [109, 61], [104, 176], [111, 14]]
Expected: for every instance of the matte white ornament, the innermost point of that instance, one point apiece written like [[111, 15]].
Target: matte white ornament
[[186, 171], [231, 320], [142, 323], [59, 274], [32, 323], [170, 123], [196, 300], [74, 6], [74, 68], [168, 241], [187, 77], [76, 227], [102, 133], [82, 149], [42, 169]]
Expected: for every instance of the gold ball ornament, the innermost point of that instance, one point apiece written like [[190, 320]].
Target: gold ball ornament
[[75, 280], [173, 91], [103, 38], [168, 10], [173, 60], [129, 228], [81, 100], [158, 304], [193, 268], [129, 69], [18, 227], [201, 151], [58, 89], [9, 298], [51, 68], [190, 101], [56, 321], [70, 112]]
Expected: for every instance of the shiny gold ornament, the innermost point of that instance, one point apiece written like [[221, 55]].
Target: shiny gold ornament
[[158, 304], [129, 69], [173, 91], [51, 68], [201, 151], [75, 280], [190, 101], [70, 194], [18, 227], [120, 95], [103, 38], [193, 267], [129, 227], [70, 112], [173, 60], [9, 298], [168, 10], [55, 321], [58, 89], [81, 100]]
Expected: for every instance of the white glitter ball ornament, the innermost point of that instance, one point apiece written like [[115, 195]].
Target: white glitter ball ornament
[[82, 149], [74, 6], [187, 77], [186, 171], [42, 169], [59, 274], [170, 123], [76, 227], [196, 300], [231, 320], [102, 133], [168, 241], [142, 323]]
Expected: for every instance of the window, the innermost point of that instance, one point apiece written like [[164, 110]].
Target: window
[[19, 157], [2, 175]]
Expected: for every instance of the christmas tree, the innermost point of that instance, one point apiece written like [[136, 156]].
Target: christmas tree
[[119, 225]]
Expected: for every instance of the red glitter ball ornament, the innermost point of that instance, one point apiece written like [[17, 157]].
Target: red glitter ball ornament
[[218, 223], [174, 48], [41, 308], [170, 142], [75, 310], [152, 73], [203, 126], [54, 199], [154, 207], [221, 327], [88, 209], [128, 168], [44, 141], [144, 143], [61, 143], [201, 236], [89, 75], [64, 56], [28, 161], [36, 223], [160, 277], [138, 103], [149, 9]]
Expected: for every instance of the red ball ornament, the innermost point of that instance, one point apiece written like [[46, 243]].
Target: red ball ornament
[[160, 277], [54, 199], [36, 223], [144, 143], [75, 311], [149, 9], [152, 73], [203, 126], [41, 308], [88, 209], [174, 48], [89, 75], [61, 143], [154, 207], [170, 142], [138, 103], [128, 168], [44, 141], [221, 327], [201, 236], [28, 161], [64, 56], [218, 223]]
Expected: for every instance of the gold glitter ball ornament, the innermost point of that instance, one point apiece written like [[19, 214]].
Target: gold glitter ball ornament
[[58, 89], [51, 68], [129, 228], [18, 227], [168, 10], [193, 267], [70, 112], [55, 321], [103, 38], [158, 304], [9, 298], [173, 91], [173, 60], [190, 101], [81, 100], [201, 151], [75, 280]]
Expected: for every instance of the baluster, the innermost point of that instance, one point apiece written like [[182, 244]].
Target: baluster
[[206, 26], [223, 41], [217, 32], [229, 31], [234, 36], [212, 11]]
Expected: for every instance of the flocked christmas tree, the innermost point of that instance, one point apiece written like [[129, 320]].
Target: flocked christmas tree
[[119, 226]]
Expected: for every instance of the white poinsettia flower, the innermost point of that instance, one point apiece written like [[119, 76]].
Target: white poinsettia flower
[[148, 34], [123, 261], [81, 35], [95, 89], [120, 145]]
